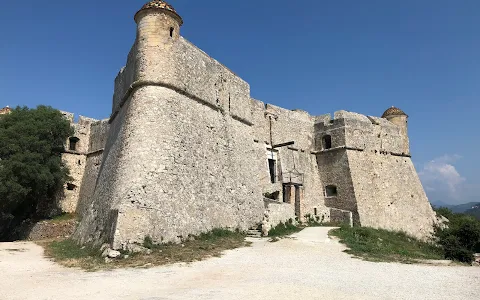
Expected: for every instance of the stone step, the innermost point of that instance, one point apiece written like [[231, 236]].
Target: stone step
[[254, 233]]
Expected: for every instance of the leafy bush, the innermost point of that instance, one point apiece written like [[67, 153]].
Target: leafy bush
[[284, 229], [461, 239], [31, 168], [314, 221]]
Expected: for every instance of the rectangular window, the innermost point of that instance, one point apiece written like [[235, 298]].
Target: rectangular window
[[73, 143], [327, 142], [272, 166], [331, 191]]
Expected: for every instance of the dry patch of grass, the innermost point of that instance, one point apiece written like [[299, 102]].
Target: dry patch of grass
[[213, 244]]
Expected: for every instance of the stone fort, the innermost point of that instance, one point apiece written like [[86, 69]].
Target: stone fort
[[186, 150]]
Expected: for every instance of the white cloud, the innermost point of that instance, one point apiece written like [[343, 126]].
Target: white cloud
[[441, 176]]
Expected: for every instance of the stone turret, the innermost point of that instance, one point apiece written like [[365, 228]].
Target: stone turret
[[158, 28], [158, 19], [399, 118]]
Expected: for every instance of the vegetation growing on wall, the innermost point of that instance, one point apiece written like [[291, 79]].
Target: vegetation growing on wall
[[31, 168]]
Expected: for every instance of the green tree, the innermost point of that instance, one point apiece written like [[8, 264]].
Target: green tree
[[461, 239], [31, 168]]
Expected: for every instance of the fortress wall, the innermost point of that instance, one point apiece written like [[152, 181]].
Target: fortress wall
[[124, 79], [82, 132], [177, 69], [260, 122], [75, 161], [374, 179], [205, 78], [99, 216], [88, 183], [260, 132], [279, 212], [69, 198], [291, 126], [325, 125], [186, 169], [356, 131], [98, 136], [389, 193], [334, 170], [304, 162], [180, 65], [288, 125]]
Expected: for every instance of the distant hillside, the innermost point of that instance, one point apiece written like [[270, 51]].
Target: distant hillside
[[462, 208], [474, 212], [440, 204]]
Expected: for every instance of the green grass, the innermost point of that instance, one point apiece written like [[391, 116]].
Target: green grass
[[63, 218], [70, 254], [383, 245], [211, 244], [284, 229]]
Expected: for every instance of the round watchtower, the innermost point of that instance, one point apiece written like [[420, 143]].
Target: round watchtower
[[399, 118], [158, 31], [157, 22], [396, 116]]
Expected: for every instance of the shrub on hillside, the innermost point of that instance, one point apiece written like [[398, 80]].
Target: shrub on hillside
[[461, 239], [31, 168]]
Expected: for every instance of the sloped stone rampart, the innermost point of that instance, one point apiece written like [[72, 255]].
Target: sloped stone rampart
[[389, 194]]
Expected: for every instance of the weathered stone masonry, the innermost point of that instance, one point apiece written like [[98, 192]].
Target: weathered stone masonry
[[187, 150], [83, 155]]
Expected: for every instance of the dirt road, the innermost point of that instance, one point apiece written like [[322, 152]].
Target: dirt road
[[309, 266]]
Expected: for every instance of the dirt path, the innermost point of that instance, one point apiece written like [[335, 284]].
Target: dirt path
[[310, 266]]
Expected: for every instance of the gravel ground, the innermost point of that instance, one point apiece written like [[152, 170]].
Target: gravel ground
[[307, 266]]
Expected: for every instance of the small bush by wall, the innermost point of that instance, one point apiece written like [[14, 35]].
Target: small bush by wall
[[284, 229]]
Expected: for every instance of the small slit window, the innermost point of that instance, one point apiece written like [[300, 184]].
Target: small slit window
[[171, 31], [331, 191], [327, 142], [272, 166], [73, 141]]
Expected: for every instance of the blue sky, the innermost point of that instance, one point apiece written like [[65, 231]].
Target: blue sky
[[320, 56]]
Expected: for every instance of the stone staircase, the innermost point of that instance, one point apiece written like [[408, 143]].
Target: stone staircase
[[255, 232]]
